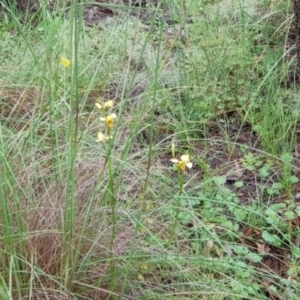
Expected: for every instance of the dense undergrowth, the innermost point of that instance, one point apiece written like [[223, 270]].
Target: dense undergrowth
[[92, 207]]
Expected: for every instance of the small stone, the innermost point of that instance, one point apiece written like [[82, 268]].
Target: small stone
[[209, 245], [297, 197]]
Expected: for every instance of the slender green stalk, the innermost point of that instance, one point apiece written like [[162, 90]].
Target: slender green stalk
[[152, 115], [177, 210], [71, 203], [112, 204]]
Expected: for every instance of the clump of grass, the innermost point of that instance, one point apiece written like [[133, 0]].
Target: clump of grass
[[91, 207]]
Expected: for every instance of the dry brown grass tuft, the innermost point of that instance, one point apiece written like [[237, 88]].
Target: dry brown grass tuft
[[40, 183], [46, 248], [43, 218], [18, 105], [48, 294]]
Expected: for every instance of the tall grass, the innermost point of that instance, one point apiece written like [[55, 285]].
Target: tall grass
[[87, 220]]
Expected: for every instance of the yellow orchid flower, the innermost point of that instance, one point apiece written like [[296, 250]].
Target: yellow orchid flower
[[183, 163], [107, 104], [109, 120], [102, 138], [65, 62]]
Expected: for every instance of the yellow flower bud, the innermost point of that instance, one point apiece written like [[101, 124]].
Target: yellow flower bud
[[109, 104], [101, 137], [65, 62]]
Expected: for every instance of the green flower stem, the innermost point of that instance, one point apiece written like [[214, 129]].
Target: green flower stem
[[180, 178], [112, 204]]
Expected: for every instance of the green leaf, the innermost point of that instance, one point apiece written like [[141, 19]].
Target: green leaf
[[277, 185], [290, 215], [219, 180], [257, 128], [296, 252], [253, 288], [244, 148], [276, 208], [239, 184], [240, 214], [293, 179], [256, 258], [275, 188], [185, 217], [264, 171], [231, 226], [207, 204], [273, 221], [238, 249], [287, 157], [272, 239]]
